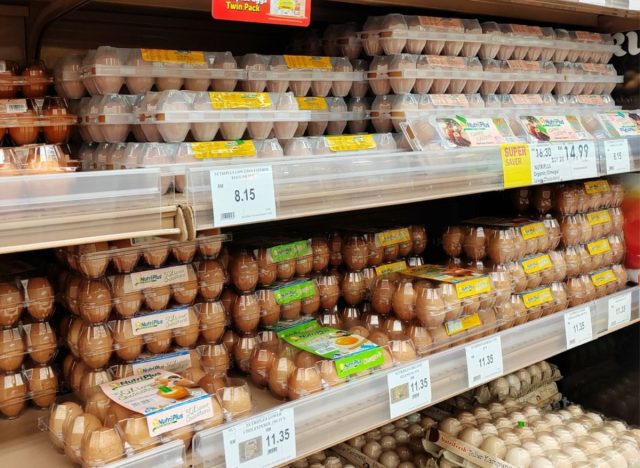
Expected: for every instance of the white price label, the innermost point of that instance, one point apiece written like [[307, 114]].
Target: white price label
[[266, 440], [594, 2], [242, 195], [484, 361], [580, 156], [409, 388], [548, 166], [634, 5], [577, 326], [617, 156], [619, 310]]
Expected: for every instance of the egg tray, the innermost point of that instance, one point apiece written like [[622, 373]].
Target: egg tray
[[32, 87], [593, 101], [534, 270], [583, 258], [582, 197], [95, 300], [489, 40], [599, 283], [36, 159], [18, 388], [32, 113], [128, 255], [538, 302], [17, 344], [16, 298], [591, 226]]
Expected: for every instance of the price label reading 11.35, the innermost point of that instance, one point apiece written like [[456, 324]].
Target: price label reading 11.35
[[484, 361], [577, 326], [619, 310], [409, 388], [242, 195], [266, 440]]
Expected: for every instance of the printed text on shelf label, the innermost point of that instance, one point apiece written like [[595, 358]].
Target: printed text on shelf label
[[617, 156], [484, 361], [409, 388], [619, 310], [577, 325]]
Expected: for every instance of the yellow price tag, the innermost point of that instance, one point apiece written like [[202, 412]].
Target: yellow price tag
[[339, 143], [172, 56], [598, 247], [223, 149], [239, 100], [536, 298], [473, 287], [603, 277], [516, 165], [391, 268], [462, 324]]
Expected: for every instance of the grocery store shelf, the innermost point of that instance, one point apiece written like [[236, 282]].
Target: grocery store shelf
[[315, 185]]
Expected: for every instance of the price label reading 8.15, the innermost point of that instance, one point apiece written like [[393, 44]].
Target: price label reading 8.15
[[242, 195], [484, 361], [577, 326], [266, 440], [409, 388], [617, 157]]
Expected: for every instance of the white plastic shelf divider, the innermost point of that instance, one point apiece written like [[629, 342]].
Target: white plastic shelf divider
[[48, 210], [315, 185], [363, 404]]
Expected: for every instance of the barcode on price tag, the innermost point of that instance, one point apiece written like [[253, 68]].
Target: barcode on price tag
[[577, 326], [409, 388], [617, 156], [266, 440], [484, 361], [619, 310], [242, 195]]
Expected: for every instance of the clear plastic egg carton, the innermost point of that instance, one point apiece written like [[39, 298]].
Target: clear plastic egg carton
[[126, 255], [534, 303], [24, 120], [106, 70], [301, 75], [30, 344], [36, 159], [343, 145], [143, 291], [586, 78], [531, 271], [587, 227], [282, 258], [32, 81], [614, 124], [30, 298], [145, 335], [37, 384], [587, 101], [597, 283], [519, 77], [583, 258], [521, 101]]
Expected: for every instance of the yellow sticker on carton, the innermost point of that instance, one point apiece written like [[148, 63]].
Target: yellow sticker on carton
[[598, 217], [173, 56], [536, 298], [516, 165], [308, 62], [473, 287], [533, 230], [465, 323], [596, 186], [239, 100], [312, 103], [338, 143], [536, 264], [603, 277], [391, 268], [223, 149], [393, 236], [598, 247]]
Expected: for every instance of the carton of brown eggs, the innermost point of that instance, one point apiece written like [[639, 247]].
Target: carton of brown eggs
[[370, 143], [35, 295], [31, 160], [37, 383], [25, 119], [32, 81], [36, 341]]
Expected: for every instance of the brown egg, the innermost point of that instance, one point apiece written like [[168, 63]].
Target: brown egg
[[304, 381], [246, 312], [12, 349], [286, 269], [269, 308], [211, 383], [71, 291], [127, 259], [136, 433], [93, 259], [260, 365], [159, 342], [126, 301], [11, 304], [188, 335], [421, 339], [13, 394], [236, 399], [37, 78], [430, 308], [185, 293], [267, 269], [353, 287], [244, 271], [452, 241], [379, 337], [228, 298], [403, 300], [311, 305], [281, 370], [101, 446], [418, 239], [156, 254], [75, 431], [95, 346], [27, 132], [211, 279], [157, 298], [115, 414], [329, 290], [474, 244], [304, 265], [94, 301], [242, 352], [230, 339], [354, 252], [209, 243], [41, 341], [402, 350], [43, 385], [184, 252], [77, 371], [329, 373], [215, 358], [212, 320], [335, 247], [127, 345], [97, 403], [60, 417], [391, 252], [321, 253], [382, 294], [39, 296]]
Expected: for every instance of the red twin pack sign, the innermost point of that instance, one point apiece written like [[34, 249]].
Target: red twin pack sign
[[286, 12]]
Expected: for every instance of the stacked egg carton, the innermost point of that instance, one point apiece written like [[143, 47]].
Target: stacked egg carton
[[28, 344], [136, 317]]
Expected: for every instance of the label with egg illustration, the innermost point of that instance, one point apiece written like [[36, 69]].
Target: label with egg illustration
[[294, 291], [533, 230], [172, 362], [307, 62], [150, 279], [465, 323], [223, 149], [538, 297], [311, 103], [167, 400], [546, 128], [239, 100], [597, 186], [598, 217], [392, 237], [172, 56], [603, 277], [339, 143], [460, 131], [620, 123], [166, 320], [536, 264], [598, 247], [391, 268], [284, 252]]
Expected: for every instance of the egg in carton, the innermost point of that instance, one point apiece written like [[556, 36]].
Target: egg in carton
[[36, 383], [35, 295], [37, 341]]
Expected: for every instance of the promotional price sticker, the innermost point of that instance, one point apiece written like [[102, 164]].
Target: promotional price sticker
[[577, 326], [267, 440], [484, 361], [619, 310], [242, 195], [580, 156], [409, 388], [287, 12], [617, 156]]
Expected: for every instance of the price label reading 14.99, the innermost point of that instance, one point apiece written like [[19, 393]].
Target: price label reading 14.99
[[580, 156], [484, 361]]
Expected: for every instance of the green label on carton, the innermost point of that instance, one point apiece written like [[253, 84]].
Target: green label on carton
[[283, 252], [295, 291], [351, 353]]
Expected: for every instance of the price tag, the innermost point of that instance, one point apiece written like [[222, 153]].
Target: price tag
[[577, 325], [266, 440], [617, 156], [548, 165], [619, 310], [484, 361], [634, 5], [580, 157], [594, 2], [409, 388], [242, 195]]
